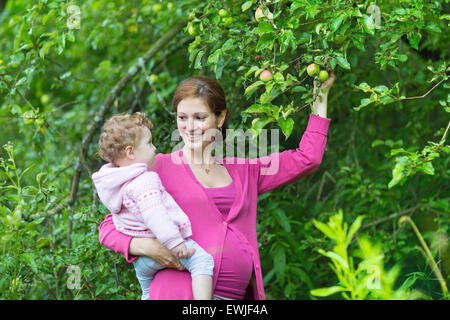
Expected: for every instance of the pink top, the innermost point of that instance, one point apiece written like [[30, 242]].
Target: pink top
[[236, 265], [251, 177], [140, 205], [223, 197]]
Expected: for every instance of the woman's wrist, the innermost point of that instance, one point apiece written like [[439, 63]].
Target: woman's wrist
[[141, 247], [320, 105]]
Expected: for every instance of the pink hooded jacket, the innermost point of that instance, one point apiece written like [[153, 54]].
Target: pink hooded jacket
[[140, 205], [252, 177]]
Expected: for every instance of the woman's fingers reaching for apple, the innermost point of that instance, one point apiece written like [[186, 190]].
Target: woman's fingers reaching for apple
[[327, 84]]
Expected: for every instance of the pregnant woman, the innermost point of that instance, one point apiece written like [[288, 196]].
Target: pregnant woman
[[219, 195]]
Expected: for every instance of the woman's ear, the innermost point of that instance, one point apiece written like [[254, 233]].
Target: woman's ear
[[129, 153], [222, 117]]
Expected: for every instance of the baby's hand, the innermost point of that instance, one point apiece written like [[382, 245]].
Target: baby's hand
[[182, 252]]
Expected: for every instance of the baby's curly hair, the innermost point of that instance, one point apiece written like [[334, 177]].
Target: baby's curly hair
[[120, 131]]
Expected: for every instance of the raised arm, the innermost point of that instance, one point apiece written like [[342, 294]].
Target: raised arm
[[289, 166]]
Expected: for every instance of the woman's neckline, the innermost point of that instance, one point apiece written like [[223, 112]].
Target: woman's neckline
[[191, 173], [225, 187]]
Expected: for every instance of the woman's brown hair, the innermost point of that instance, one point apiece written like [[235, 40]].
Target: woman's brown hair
[[207, 89]]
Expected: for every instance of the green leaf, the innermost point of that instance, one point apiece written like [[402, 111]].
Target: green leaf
[[198, 60], [282, 219], [214, 57], [368, 24], [267, 97], [45, 48], [219, 67], [337, 21], [381, 89], [262, 122], [377, 143], [228, 45], [264, 27], [279, 262], [336, 258], [278, 77], [286, 126], [251, 70], [259, 108], [401, 57], [324, 228], [253, 87], [50, 14], [287, 38], [299, 89], [265, 42], [364, 87], [396, 151], [192, 54], [427, 168], [414, 39], [324, 292], [365, 102], [398, 173], [354, 228], [357, 43], [30, 260], [343, 62], [269, 86], [433, 28], [246, 6]]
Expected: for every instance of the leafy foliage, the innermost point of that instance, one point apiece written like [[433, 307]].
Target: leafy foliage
[[65, 67]]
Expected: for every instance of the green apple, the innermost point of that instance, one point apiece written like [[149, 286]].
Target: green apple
[[39, 122], [223, 13], [259, 14], [192, 31], [28, 117], [227, 21], [312, 69], [265, 76], [323, 75], [153, 77], [45, 99], [157, 7]]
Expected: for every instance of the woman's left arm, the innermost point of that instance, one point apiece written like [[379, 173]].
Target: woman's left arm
[[289, 166], [320, 103]]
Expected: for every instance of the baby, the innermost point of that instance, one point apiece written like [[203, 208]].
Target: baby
[[140, 205]]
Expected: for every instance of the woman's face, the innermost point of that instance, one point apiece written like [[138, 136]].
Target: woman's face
[[196, 122]]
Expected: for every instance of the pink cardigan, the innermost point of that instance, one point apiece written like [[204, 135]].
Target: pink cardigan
[[208, 224]]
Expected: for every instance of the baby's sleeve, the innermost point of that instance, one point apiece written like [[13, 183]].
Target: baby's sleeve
[[146, 192]]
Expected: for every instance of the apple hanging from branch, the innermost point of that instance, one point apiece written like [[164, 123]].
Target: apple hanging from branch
[[265, 76]]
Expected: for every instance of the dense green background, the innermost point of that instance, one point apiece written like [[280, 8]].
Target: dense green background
[[61, 75]]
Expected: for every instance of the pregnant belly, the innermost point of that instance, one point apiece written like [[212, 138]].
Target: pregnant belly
[[236, 268]]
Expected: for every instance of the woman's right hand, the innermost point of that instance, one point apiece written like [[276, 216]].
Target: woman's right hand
[[152, 248]]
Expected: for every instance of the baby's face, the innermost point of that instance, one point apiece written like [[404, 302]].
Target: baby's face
[[145, 150]]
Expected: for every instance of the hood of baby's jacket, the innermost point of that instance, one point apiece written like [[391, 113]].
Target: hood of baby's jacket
[[110, 181]]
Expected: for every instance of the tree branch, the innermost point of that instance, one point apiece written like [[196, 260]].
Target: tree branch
[[99, 118]]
